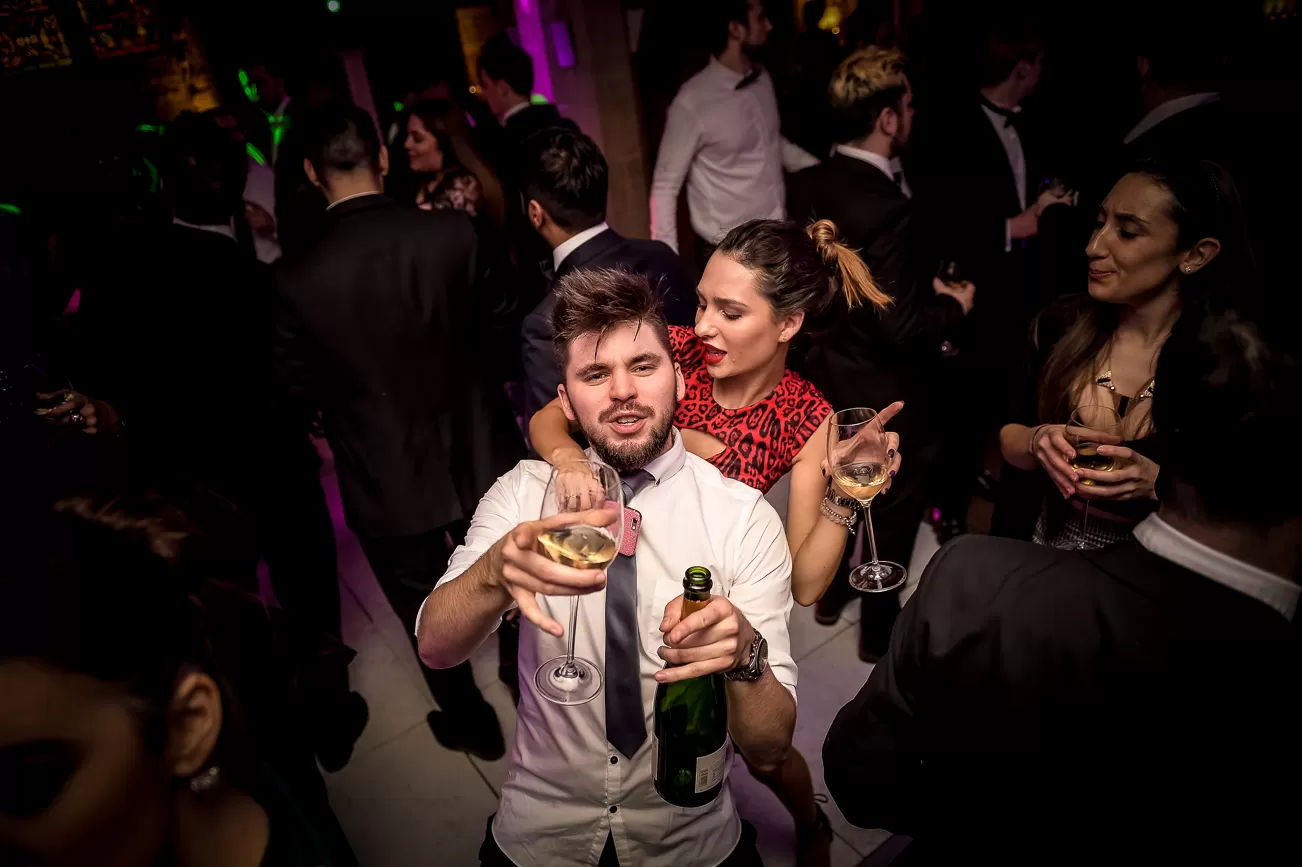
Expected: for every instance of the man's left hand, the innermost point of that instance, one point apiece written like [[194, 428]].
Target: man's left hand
[[715, 639]]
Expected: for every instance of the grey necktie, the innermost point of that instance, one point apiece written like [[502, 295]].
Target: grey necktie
[[625, 718]]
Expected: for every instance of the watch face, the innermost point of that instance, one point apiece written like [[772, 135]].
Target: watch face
[[762, 655]]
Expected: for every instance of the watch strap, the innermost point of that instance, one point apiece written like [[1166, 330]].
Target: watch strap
[[752, 670]]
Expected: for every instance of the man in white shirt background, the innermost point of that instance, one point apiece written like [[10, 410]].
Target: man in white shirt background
[[580, 788], [723, 137]]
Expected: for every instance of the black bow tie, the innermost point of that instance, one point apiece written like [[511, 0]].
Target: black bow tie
[[1010, 116], [750, 78]]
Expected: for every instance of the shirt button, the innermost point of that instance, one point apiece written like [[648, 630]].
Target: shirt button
[[614, 809], [614, 760]]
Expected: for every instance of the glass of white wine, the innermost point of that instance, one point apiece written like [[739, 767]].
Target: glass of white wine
[[857, 451], [1083, 432], [568, 679]]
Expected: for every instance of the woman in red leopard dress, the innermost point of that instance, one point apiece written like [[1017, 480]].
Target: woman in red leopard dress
[[756, 420]]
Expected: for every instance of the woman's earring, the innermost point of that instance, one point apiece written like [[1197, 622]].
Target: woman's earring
[[205, 780]]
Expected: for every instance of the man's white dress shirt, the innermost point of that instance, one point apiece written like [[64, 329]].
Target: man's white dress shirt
[[571, 244], [1012, 143], [1168, 109], [728, 145], [892, 168], [1167, 542], [567, 786], [513, 111]]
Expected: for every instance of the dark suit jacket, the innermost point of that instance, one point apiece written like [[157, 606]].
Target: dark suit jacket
[[964, 184], [378, 328], [1049, 707], [655, 260], [872, 358]]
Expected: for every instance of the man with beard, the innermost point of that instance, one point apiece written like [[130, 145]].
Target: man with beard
[[580, 784], [723, 135]]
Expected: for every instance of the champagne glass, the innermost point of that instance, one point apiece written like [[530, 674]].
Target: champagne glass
[[950, 273], [856, 450], [577, 486], [1082, 433]]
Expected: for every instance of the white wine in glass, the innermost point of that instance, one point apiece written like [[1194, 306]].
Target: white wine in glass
[[568, 679], [1083, 434], [858, 451], [862, 480]]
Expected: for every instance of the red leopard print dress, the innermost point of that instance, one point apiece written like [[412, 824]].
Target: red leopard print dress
[[762, 439]]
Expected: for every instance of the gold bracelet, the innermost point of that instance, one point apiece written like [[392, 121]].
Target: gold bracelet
[[836, 517]]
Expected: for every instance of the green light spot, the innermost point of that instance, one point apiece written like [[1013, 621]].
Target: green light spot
[[255, 154], [147, 127], [397, 106], [538, 99], [153, 175], [6, 208], [333, 5], [250, 89]]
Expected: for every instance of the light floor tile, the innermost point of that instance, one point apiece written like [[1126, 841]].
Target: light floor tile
[[410, 803], [393, 689]]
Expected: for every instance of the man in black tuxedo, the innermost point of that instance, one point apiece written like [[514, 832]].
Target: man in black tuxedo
[[506, 85], [1134, 704], [376, 330], [871, 358], [565, 184]]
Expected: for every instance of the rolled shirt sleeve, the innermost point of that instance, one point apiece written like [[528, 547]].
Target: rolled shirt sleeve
[[499, 512], [761, 590]]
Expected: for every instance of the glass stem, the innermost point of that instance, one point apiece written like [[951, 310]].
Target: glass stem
[[1085, 526], [574, 621], [872, 539]]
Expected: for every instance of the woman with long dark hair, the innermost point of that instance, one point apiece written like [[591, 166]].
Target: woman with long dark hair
[[754, 419], [448, 171], [1170, 237], [122, 741]]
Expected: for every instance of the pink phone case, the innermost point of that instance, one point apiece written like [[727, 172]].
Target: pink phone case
[[632, 524]]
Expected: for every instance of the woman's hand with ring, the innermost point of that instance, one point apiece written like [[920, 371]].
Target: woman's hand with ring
[[1135, 477]]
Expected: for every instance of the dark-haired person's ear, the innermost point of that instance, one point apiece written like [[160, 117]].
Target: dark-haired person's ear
[[384, 161], [311, 174], [680, 387], [565, 403], [537, 216], [737, 31], [791, 326], [194, 724], [1197, 256]]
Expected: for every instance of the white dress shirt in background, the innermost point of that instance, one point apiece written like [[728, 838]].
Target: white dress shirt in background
[[1012, 143], [728, 145], [1170, 108], [568, 787], [1167, 542], [892, 168], [574, 243]]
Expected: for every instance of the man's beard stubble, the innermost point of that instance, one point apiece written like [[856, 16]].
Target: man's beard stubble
[[632, 456]]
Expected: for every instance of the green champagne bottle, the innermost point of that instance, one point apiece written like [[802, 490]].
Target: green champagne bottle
[[689, 740]]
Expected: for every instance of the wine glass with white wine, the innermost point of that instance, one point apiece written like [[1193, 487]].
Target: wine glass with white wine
[[568, 679], [1083, 435], [857, 451]]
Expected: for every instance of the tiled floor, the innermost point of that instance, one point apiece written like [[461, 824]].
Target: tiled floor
[[405, 801]]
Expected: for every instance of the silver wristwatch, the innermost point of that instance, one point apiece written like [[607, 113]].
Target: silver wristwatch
[[754, 669]]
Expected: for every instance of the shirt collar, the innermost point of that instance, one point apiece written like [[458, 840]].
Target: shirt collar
[[724, 74], [514, 110], [577, 241], [353, 196], [1165, 541], [887, 166], [216, 228], [1169, 109], [667, 464]]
